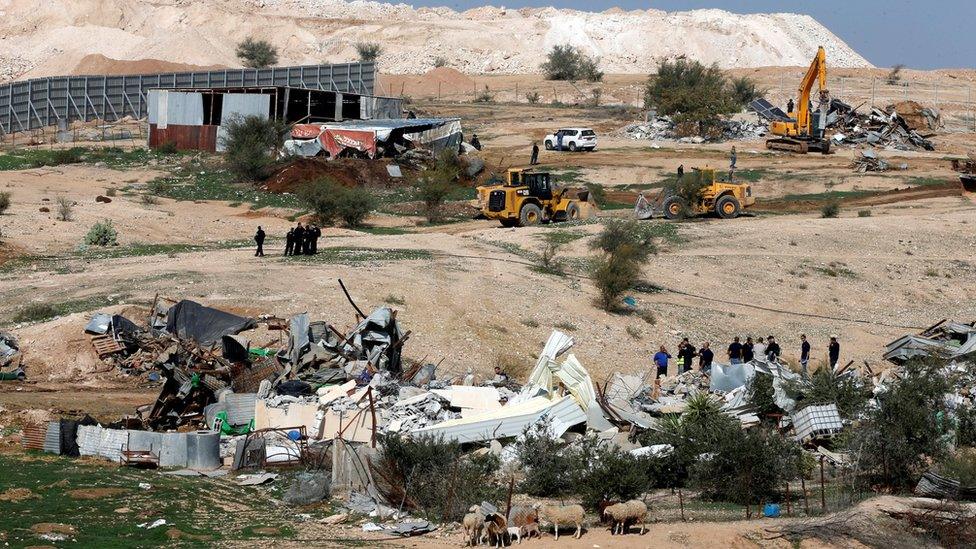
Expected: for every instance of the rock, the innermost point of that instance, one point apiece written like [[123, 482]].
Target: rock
[[103, 199], [336, 519]]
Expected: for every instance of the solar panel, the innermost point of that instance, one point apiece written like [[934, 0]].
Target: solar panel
[[767, 110]]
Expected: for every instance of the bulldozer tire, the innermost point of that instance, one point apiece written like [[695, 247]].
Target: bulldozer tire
[[509, 222], [530, 215], [727, 207], [674, 207], [572, 212], [572, 147]]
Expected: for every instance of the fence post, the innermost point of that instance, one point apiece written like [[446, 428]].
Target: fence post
[[823, 492]]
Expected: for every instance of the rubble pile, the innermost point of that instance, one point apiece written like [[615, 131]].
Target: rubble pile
[[662, 128], [883, 128], [869, 161]]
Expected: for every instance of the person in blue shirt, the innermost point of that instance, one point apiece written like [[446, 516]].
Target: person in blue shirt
[[661, 360]]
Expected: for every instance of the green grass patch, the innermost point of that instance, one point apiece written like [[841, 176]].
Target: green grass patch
[[219, 185], [348, 254], [43, 311], [750, 176], [112, 157], [562, 236], [926, 181], [195, 507], [830, 195], [383, 230]]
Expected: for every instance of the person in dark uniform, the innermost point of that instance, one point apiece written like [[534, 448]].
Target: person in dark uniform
[[735, 351], [316, 233], [790, 105], [290, 241], [804, 353], [475, 142], [259, 240], [681, 172], [747, 351], [833, 352], [705, 356], [772, 349], [535, 154], [687, 354], [299, 240]]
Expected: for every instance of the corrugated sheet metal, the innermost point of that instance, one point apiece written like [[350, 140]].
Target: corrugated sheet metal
[[52, 440], [107, 443], [185, 138], [510, 420], [244, 104], [240, 407], [34, 435]]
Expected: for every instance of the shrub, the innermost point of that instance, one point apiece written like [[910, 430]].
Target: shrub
[[4, 201], [823, 387], [331, 202], [689, 188], [894, 75], [907, 428], [965, 426], [864, 213], [435, 185], [595, 95], [252, 143], [168, 147], [532, 97], [550, 466], [432, 476], [148, 199], [485, 96], [66, 209], [761, 394], [257, 54], [598, 192], [440, 62], [368, 51], [613, 474], [566, 62], [744, 90], [111, 192], [691, 93], [102, 233], [830, 210], [625, 246], [548, 260]]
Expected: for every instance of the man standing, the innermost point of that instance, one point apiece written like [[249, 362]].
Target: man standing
[[833, 352], [789, 106], [732, 163], [759, 349], [735, 351], [705, 357], [687, 354], [535, 154], [475, 142], [747, 352], [299, 240], [804, 354], [290, 241], [661, 361], [316, 233], [772, 349], [259, 240], [681, 172]]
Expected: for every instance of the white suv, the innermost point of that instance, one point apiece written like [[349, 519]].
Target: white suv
[[572, 139]]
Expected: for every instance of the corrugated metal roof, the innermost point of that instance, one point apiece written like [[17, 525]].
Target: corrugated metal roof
[[240, 407], [510, 420], [52, 440]]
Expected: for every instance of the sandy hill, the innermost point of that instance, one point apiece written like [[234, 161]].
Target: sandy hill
[[54, 37]]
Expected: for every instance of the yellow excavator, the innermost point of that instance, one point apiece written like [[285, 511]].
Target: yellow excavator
[[802, 130]]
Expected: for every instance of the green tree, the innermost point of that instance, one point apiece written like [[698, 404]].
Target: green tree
[[625, 245], [690, 92], [252, 144], [566, 62], [332, 202], [257, 54], [434, 186]]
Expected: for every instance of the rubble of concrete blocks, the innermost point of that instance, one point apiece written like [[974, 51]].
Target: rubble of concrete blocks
[[663, 128], [869, 161]]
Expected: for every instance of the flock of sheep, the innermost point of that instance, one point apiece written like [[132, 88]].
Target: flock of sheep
[[523, 521]]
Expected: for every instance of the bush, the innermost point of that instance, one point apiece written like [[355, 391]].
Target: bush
[[689, 188], [548, 260], [252, 144], [566, 62], [864, 213], [830, 210], [625, 246], [148, 199], [692, 93], [532, 97], [595, 95], [368, 51], [4, 201], [823, 387], [331, 202], [894, 75], [111, 192], [102, 233], [761, 394], [66, 209], [257, 54], [550, 466], [612, 474], [436, 184], [485, 96], [907, 429], [744, 90], [168, 147], [433, 477], [440, 62]]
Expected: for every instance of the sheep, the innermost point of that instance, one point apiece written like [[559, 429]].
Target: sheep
[[496, 527], [515, 532], [474, 523], [566, 514], [623, 513], [529, 529]]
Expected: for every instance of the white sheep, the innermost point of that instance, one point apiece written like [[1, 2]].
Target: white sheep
[[474, 523], [515, 533], [622, 513], [565, 514]]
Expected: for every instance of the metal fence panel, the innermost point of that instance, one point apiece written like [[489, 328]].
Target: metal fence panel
[[40, 102]]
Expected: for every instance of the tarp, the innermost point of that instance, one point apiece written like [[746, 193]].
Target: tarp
[[205, 325], [335, 141], [366, 136]]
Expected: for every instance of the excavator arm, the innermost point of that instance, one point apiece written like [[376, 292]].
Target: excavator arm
[[816, 73]]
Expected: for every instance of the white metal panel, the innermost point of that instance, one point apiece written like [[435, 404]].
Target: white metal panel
[[510, 420], [244, 104]]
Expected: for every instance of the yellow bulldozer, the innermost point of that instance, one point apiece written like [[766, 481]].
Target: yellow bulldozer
[[699, 193], [528, 197], [804, 128]]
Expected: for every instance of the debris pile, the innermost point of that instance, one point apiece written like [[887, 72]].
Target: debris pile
[[869, 161], [881, 128], [664, 128]]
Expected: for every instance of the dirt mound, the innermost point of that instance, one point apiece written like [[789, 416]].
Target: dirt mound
[[443, 80], [97, 63], [349, 172]]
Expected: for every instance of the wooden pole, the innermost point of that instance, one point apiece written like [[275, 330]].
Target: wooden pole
[[681, 504], [823, 492], [788, 508], [508, 501], [806, 502]]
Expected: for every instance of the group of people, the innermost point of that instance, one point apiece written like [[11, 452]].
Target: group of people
[[740, 352], [299, 240]]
